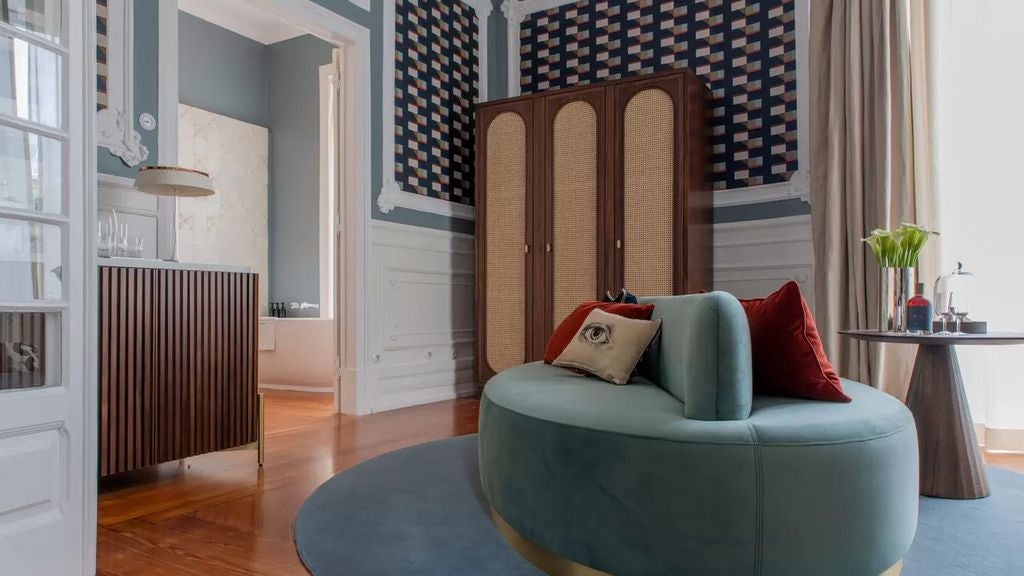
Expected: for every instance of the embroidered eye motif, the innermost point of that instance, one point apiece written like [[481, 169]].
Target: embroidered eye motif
[[596, 333]]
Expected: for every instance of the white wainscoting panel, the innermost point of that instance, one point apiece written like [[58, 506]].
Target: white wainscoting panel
[[754, 258], [421, 305], [35, 453], [421, 301]]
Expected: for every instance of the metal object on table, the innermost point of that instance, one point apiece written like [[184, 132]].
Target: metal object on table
[[950, 463], [261, 442], [897, 288]]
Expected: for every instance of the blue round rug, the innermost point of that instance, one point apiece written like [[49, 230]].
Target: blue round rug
[[420, 511]]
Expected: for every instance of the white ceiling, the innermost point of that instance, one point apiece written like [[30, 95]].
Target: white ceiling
[[239, 17]]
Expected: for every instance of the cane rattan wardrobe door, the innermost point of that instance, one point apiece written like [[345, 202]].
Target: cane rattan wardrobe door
[[576, 129], [646, 239], [503, 223]]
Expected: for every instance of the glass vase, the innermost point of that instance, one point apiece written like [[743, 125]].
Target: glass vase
[[897, 288]]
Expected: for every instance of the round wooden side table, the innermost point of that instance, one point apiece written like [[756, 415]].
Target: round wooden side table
[[951, 465]]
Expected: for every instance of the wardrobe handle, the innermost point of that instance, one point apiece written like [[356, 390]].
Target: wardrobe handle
[[526, 248], [547, 247], [618, 244]]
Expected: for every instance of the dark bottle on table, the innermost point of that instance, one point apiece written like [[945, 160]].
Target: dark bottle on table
[[919, 312]]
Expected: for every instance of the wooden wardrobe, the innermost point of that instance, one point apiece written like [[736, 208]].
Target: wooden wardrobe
[[582, 191]]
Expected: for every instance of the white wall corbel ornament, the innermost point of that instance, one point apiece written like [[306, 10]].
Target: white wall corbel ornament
[[115, 128], [391, 194]]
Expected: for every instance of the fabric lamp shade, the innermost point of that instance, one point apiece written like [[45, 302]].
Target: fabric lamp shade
[[174, 181]]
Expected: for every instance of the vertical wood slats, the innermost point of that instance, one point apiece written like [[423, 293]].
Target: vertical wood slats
[[177, 364]]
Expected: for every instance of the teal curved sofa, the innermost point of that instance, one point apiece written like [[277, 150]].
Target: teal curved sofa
[[685, 472]]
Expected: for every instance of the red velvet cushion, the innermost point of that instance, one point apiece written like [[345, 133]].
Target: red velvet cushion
[[787, 354], [563, 334]]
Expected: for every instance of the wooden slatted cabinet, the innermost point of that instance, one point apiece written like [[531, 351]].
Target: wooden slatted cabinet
[[177, 364]]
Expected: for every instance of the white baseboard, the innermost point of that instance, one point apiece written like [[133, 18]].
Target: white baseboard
[[294, 388]]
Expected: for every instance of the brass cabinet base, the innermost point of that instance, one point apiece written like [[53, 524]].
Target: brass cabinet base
[[261, 442], [555, 565], [260, 445]]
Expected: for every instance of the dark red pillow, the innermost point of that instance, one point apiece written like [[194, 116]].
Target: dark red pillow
[[788, 359], [563, 334]]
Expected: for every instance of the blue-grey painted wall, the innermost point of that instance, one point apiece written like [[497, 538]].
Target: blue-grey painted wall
[[144, 70], [222, 72], [497, 48], [293, 101], [145, 86]]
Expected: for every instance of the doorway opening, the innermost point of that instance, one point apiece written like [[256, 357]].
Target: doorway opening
[[269, 99], [322, 199]]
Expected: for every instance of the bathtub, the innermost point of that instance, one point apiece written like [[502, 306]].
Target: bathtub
[[296, 354]]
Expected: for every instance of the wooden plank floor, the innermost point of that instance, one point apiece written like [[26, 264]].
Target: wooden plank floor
[[220, 514]]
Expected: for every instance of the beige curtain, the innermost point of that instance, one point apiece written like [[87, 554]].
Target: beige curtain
[[870, 165]]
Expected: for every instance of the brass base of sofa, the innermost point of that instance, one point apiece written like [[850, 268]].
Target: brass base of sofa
[[555, 565], [544, 559]]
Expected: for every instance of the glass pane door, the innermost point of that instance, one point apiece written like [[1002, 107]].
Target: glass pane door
[[33, 207], [47, 455]]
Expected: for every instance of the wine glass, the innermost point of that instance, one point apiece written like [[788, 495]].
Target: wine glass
[[941, 300], [120, 247], [958, 307], [103, 240]]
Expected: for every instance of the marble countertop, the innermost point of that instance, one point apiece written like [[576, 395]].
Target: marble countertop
[[169, 265]]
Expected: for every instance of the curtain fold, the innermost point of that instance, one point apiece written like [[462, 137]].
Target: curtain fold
[[870, 166]]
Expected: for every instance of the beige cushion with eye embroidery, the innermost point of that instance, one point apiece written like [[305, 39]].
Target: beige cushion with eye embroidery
[[608, 346]]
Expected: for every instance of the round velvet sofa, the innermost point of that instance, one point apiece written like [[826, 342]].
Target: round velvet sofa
[[685, 472]]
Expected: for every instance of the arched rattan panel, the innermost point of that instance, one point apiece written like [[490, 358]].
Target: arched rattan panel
[[506, 182], [574, 203], [649, 164]]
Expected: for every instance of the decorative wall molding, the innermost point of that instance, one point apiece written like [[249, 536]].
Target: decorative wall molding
[[483, 10], [798, 187], [421, 329], [515, 12], [391, 193], [392, 196], [115, 124], [752, 259]]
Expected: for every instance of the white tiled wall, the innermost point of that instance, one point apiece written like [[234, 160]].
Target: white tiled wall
[[229, 227]]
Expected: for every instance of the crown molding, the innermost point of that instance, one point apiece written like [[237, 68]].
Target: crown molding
[[525, 7]]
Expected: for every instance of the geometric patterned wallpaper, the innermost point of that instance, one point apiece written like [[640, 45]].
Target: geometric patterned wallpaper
[[436, 86], [744, 50]]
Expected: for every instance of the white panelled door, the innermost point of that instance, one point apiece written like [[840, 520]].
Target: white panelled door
[[47, 484]]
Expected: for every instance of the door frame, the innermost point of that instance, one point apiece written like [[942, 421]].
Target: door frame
[[351, 395]]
